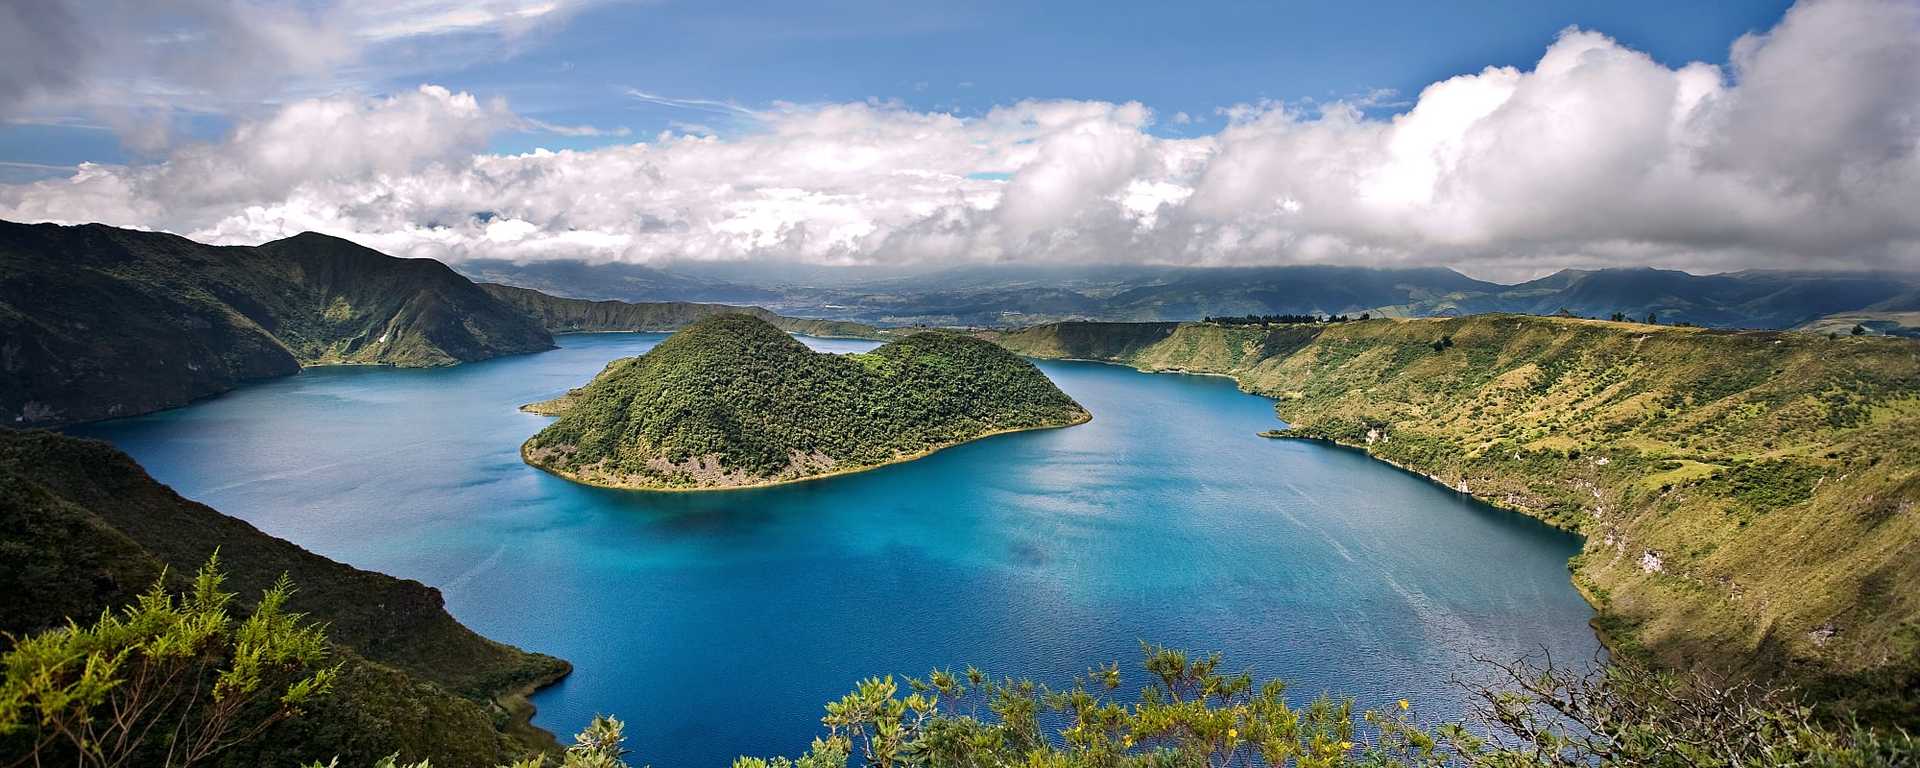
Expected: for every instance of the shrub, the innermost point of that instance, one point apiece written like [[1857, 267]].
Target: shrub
[[170, 680]]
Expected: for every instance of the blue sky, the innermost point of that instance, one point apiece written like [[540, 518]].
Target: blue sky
[[1507, 140], [1194, 57]]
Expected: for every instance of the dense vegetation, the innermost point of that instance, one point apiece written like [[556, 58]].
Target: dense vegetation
[[732, 401], [1751, 500], [1191, 713], [97, 322], [84, 530], [168, 680], [124, 689], [560, 315]]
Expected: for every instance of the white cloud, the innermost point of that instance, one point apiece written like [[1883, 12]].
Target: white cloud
[[138, 64], [381, 20], [1801, 153], [542, 126]]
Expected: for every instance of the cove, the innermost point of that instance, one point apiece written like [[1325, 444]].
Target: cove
[[718, 624]]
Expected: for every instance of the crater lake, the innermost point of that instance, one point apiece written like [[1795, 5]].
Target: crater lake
[[718, 624]]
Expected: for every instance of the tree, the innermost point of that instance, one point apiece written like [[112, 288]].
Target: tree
[[168, 681], [1653, 319], [1859, 330], [1619, 317], [601, 745], [1191, 713]]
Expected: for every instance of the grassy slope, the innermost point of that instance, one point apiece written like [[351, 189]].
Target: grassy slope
[[1749, 498], [1890, 323], [365, 307], [88, 529], [97, 322], [561, 315], [732, 401]]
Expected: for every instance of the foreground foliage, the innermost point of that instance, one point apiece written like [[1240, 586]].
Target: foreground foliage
[[1191, 714], [169, 680], [733, 401], [176, 680], [84, 531]]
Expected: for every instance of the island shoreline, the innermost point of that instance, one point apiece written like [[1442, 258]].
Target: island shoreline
[[1086, 416]]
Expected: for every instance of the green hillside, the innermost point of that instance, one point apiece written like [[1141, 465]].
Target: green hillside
[[1749, 499], [98, 322], [560, 315], [84, 529], [732, 401], [1889, 323]]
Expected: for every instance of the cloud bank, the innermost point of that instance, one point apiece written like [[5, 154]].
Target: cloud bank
[[1800, 153], [137, 65]]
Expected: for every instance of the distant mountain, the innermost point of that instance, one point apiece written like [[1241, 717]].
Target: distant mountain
[[1025, 294], [86, 530], [1752, 299], [731, 401], [1319, 290], [97, 322], [560, 315], [630, 282]]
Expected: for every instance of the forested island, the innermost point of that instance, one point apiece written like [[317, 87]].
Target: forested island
[[733, 402]]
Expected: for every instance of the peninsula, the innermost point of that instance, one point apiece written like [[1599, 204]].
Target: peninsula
[[733, 402]]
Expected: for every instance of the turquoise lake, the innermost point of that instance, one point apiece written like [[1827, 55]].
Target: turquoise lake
[[718, 624]]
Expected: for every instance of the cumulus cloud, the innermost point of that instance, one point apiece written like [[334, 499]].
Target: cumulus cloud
[[1801, 152], [137, 63]]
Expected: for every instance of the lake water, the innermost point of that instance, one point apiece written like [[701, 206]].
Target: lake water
[[718, 624]]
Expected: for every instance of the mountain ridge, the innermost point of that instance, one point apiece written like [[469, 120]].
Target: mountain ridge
[[99, 322], [565, 315], [1012, 295]]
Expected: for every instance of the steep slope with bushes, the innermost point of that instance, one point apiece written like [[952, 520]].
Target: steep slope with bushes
[[98, 322], [84, 529], [1751, 500]]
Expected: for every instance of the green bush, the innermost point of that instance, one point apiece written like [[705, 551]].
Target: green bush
[[170, 680]]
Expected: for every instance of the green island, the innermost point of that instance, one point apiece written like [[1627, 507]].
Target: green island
[[731, 401], [1747, 497]]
